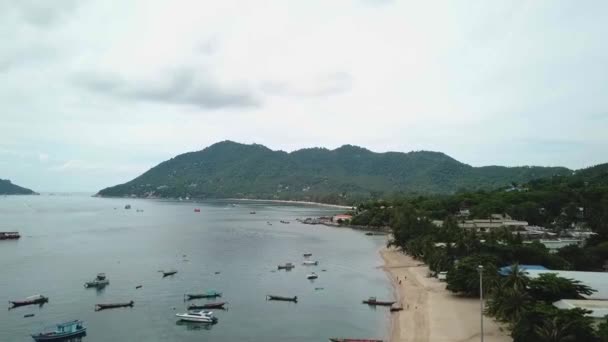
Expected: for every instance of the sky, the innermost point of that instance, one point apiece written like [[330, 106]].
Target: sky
[[95, 92]]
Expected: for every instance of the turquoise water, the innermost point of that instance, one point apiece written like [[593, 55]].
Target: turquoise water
[[67, 240]]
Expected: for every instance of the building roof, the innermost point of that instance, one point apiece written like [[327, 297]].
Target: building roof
[[507, 269], [598, 308], [596, 280]]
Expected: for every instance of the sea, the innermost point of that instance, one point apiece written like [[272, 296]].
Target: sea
[[232, 247]]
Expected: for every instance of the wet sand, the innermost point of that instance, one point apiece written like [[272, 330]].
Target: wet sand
[[430, 312]]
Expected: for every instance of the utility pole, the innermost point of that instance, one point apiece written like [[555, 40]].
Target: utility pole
[[480, 268]]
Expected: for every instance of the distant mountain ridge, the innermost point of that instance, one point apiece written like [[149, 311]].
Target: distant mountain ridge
[[346, 174], [8, 188]]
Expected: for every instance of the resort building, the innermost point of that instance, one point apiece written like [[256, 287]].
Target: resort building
[[596, 280], [341, 218], [598, 308], [487, 225]]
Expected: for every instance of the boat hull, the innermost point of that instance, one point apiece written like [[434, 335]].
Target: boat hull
[[186, 318], [19, 303], [60, 337], [203, 296], [219, 305], [281, 298], [379, 303], [99, 307]]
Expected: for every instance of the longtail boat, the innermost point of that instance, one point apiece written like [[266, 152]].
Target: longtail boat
[[374, 301], [352, 340], [208, 294], [217, 305], [168, 273], [9, 235], [282, 298], [31, 300], [286, 266], [99, 307]]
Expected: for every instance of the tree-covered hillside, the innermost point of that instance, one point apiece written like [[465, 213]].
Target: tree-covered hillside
[[8, 188], [344, 175]]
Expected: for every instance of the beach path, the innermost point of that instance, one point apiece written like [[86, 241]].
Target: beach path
[[430, 312]]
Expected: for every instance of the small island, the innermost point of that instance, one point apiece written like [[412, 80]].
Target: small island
[[8, 188]]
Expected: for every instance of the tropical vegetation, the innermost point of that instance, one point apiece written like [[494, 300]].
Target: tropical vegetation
[[524, 304], [345, 175], [8, 188]]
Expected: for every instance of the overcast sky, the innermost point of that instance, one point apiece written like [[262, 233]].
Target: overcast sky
[[93, 93]]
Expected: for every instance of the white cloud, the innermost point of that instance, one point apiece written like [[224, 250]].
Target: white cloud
[[105, 84]]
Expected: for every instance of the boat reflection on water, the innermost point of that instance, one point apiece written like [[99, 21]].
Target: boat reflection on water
[[74, 339], [194, 325]]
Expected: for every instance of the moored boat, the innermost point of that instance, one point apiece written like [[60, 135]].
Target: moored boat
[[197, 210], [286, 266], [208, 294], [282, 298], [312, 275], [99, 307], [374, 301], [307, 255], [98, 282], [216, 305], [62, 332], [198, 316], [310, 262], [31, 300], [128, 206], [9, 235], [168, 273]]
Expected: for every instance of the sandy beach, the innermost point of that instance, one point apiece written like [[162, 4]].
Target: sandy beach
[[291, 202], [430, 312]]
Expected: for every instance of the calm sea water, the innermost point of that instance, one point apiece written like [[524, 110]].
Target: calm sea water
[[67, 240]]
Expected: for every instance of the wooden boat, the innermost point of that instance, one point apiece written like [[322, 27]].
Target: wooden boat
[[9, 235], [374, 301], [128, 206], [217, 305], [168, 273], [197, 210], [287, 266], [307, 255], [252, 212], [208, 294], [282, 298], [31, 300], [352, 340], [310, 263], [62, 332], [396, 308], [312, 275], [99, 307]]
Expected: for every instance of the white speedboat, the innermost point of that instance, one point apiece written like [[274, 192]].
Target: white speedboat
[[197, 316], [312, 275]]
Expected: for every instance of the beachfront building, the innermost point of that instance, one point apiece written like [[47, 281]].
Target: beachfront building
[[554, 245], [341, 218], [493, 223]]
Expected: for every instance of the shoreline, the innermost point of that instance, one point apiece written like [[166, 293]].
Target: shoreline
[[337, 206], [289, 202], [430, 312]]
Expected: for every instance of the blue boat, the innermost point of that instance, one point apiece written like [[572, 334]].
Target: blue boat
[[62, 332]]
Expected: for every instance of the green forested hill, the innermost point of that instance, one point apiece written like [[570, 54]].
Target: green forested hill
[[8, 188], [343, 175]]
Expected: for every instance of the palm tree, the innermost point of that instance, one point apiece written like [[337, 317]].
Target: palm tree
[[509, 304], [554, 330], [517, 278]]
